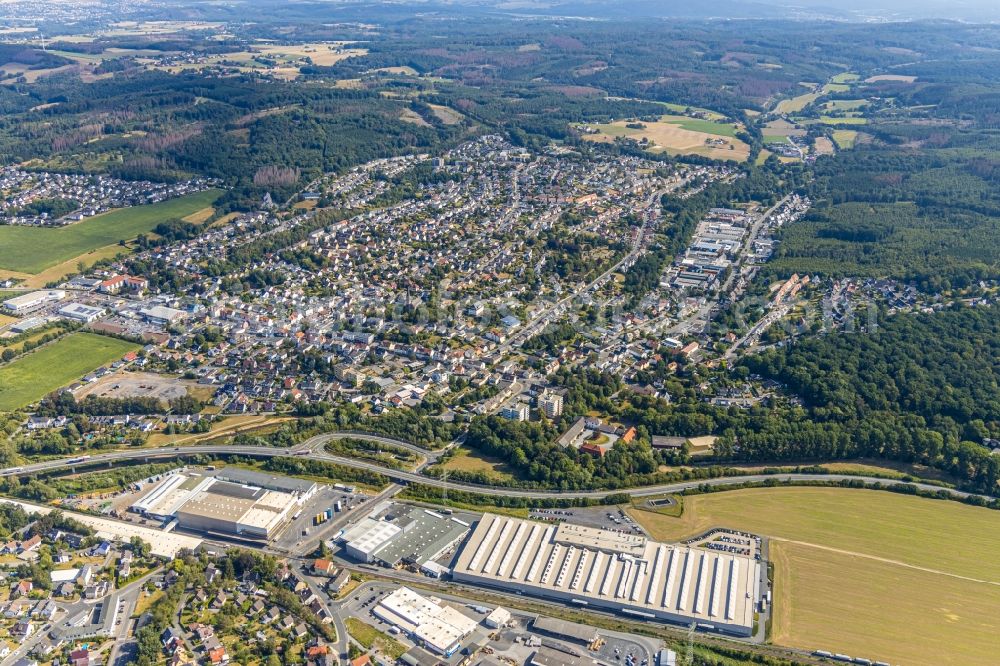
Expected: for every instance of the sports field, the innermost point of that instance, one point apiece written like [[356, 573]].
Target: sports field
[[33, 249], [30, 377], [868, 573]]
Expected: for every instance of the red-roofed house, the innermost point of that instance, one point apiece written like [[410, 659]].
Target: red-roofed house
[[218, 656], [323, 567]]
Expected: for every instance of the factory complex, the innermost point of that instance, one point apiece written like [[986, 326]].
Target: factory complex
[[715, 585], [395, 534], [233, 502], [592, 567]]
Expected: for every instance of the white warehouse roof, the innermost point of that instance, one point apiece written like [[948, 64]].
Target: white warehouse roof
[[441, 628], [369, 535], [630, 574]]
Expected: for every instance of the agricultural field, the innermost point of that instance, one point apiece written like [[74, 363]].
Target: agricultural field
[[845, 139], [844, 104], [850, 578], [824, 146], [680, 109], [321, 54], [446, 114], [863, 607], [782, 128], [899, 78], [679, 135], [847, 120], [29, 378], [845, 77], [796, 104], [34, 249]]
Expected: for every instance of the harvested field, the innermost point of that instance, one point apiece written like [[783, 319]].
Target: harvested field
[[891, 77], [673, 138], [868, 573]]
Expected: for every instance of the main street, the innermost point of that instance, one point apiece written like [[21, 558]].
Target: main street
[[554, 311]]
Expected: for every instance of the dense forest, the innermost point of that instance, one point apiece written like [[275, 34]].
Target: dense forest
[[922, 388], [918, 198]]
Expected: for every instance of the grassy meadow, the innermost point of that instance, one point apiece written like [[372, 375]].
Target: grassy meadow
[[33, 249], [868, 573], [29, 378]]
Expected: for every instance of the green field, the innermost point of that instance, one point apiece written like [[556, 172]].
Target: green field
[[797, 103], [845, 138], [868, 573], [29, 378], [33, 249], [849, 120], [845, 77], [699, 125], [844, 104], [680, 109]]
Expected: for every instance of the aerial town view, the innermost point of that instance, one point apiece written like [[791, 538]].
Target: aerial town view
[[487, 333]]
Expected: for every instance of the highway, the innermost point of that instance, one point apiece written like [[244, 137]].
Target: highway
[[313, 449]]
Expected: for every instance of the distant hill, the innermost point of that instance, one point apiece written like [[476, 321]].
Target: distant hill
[[32, 58], [356, 10]]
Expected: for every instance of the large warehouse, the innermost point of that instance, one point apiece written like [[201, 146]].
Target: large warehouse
[[396, 534], [613, 571], [234, 504], [30, 302]]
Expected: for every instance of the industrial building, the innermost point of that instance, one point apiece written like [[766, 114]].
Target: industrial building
[[30, 302], [437, 627], [396, 534], [608, 570], [161, 315], [247, 505], [81, 312]]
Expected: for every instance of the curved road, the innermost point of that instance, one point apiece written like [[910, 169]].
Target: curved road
[[313, 450]]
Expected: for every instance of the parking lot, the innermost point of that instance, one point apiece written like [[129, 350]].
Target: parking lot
[[603, 517], [136, 384], [303, 528], [730, 541], [624, 652]]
